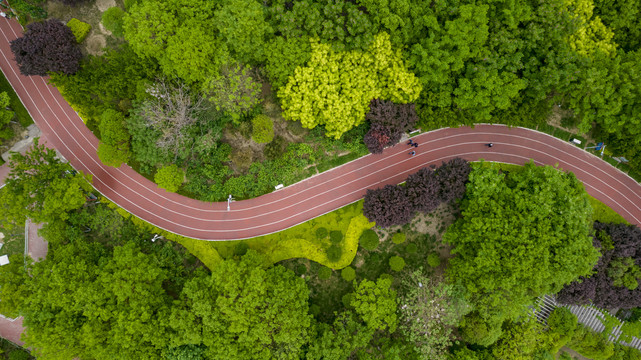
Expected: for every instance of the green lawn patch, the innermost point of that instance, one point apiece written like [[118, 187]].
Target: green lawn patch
[[604, 214], [16, 105], [562, 134], [301, 240], [336, 161], [548, 129]]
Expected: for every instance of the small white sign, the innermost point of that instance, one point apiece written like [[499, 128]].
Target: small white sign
[[4, 260]]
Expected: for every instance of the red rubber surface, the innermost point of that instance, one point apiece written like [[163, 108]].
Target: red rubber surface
[[314, 196]]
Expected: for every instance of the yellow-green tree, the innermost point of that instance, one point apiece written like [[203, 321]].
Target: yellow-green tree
[[335, 88]]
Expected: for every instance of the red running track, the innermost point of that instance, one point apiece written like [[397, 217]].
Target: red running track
[[309, 198]]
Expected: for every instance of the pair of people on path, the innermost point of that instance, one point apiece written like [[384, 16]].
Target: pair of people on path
[[414, 144]]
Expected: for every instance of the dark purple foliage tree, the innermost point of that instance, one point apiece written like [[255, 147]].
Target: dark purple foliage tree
[[396, 118], [47, 46], [616, 241], [423, 190], [376, 138], [453, 176], [387, 206]]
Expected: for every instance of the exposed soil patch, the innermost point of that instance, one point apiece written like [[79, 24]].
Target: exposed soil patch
[[95, 44], [103, 5], [91, 13]]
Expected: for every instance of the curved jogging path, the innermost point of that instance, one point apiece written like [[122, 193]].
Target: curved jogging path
[[312, 197]]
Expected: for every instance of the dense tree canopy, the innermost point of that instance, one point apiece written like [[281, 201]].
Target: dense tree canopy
[[616, 276], [6, 115], [247, 312], [47, 46], [335, 88], [41, 187], [522, 234]]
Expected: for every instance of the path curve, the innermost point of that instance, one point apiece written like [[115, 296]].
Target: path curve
[[314, 196]]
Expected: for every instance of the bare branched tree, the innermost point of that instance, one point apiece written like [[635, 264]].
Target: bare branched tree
[[171, 110]]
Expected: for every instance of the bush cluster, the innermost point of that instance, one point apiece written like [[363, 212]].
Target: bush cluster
[[335, 236], [47, 46], [369, 240], [169, 178], [112, 20], [388, 123], [423, 191], [334, 253], [398, 238], [79, 29], [433, 260], [616, 277], [262, 129], [321, 233], [397, 263], [324, 273], [348, 273]]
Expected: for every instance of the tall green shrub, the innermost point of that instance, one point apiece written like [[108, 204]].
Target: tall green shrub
[[79, 29], [169, 178], [262, 129], [112, 20], [369, 240]]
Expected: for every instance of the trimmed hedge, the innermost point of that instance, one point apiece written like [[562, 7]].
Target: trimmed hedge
[[348, 273], [411, 248], [334, 253], [398, 238], [369, 240], [396, 263], [262, 129], [324, 273], [79, 29], [321, 233], [112, 20], [433, 260], [169, 178], [335, 237]]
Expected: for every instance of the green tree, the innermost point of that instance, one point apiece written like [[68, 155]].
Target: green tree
[[431, 309], [375, 303], [520, 341], [6, 115], [180, 35], [521, 235], [284, 56], [113, 149], [41, 187], [242, 25], [13, 293], [335, 88], [244, 311], [340, 340], [262, 129], [234, 92], [88, 303], [112, 19], [170, 178]]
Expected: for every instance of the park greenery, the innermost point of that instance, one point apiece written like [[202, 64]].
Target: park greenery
[[357, 72], [211, 98], [271, 297]]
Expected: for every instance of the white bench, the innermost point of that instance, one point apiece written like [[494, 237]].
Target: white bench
[[279, 186], [415, 131], [576, 141]]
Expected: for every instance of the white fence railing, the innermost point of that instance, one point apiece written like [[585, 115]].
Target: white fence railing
[[589, 316]]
